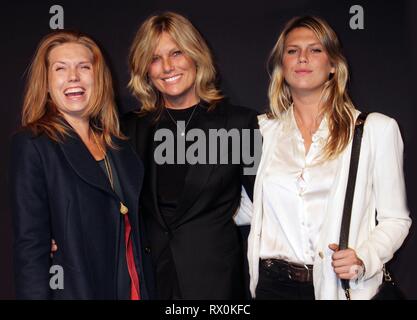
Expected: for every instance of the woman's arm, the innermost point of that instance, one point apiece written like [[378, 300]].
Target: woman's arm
[[243, 214], [391, 205], [32, 236]]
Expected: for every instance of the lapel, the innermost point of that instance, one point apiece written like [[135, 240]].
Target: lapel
[[86, 167], [83, 163], [145, 144], [198, 174], [130, 173]]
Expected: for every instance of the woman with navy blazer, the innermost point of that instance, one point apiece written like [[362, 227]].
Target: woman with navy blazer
[[75, 179]]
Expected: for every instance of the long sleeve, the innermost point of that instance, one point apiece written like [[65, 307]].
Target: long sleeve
[[391, 205], [251, 153], [243, 215], [32, 236]]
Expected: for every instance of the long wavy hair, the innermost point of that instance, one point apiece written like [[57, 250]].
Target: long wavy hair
[[41, 115], [189, 40], [337, 105]]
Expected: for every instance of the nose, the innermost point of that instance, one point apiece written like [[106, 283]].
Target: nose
[[167, 65], [302, 57], [74, 75]]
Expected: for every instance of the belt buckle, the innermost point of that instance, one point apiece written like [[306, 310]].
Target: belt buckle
[[268, 263], [290, 272], [299, 274]]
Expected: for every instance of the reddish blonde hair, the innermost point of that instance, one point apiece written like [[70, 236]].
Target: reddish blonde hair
[[40, 114]]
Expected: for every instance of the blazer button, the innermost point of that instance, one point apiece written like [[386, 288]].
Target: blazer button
[[321, 255], [147, 249]]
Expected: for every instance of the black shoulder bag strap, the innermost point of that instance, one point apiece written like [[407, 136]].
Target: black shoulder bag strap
[[350, 190]]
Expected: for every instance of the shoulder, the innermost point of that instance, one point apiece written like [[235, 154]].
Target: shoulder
[[129, 119], [237, 110], [267, 124], [26, 147], [133, 119], [25, 138], [238, 115], [379, 124], [378, 119]]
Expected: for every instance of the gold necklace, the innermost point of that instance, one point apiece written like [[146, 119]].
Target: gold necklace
[[123, 209]]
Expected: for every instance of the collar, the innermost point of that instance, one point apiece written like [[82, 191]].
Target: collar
[[291, 128]]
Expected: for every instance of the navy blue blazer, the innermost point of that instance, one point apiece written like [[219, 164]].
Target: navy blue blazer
[[59, 192]]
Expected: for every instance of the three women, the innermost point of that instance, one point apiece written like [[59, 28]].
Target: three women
[[188, 209]]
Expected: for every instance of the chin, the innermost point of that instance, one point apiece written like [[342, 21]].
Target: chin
[[174, 93]]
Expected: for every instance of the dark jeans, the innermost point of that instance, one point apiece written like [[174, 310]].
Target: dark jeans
[[274, 285]]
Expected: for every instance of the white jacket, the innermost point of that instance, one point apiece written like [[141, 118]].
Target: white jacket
[[379, 187]]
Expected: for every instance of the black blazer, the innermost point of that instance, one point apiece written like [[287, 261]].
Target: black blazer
[[205, 243], [59, 192]]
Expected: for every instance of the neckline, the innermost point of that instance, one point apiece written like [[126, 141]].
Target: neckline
[[182, 110], [321, 132]]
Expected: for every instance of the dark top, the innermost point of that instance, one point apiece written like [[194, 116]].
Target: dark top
[[171, 176]]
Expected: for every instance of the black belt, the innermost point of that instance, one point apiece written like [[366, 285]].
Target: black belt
[[293, 271]]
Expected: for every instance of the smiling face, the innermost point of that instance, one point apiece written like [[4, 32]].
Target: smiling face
[[306, 65], [173, 74], [70, 78]]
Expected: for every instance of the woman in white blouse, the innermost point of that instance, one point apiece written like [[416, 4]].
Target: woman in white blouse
[[301, 181]]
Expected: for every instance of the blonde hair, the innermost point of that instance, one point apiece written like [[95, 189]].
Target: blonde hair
[[41, 115], [337, 105], [189, 41]]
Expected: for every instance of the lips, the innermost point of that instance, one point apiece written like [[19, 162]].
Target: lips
[[172, 79], [303, 71], [74, 92]]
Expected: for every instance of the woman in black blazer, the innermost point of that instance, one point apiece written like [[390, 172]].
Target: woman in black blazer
[[188, 204], [75, 179]]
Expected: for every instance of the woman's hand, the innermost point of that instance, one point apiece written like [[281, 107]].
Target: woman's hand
[[346, 263], [54, 248]]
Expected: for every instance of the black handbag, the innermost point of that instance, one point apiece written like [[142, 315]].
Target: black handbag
[[388, 290]]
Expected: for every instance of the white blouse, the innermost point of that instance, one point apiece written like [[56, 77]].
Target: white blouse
[[296, 189]]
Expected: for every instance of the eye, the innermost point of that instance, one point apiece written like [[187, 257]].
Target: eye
[[316, 50], [291, 51], [177, 53], [154, 59], [59, 68], [86, 66]]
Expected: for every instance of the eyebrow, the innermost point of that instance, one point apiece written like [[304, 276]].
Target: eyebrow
[[309, 45], [169, 52], [63, 62]]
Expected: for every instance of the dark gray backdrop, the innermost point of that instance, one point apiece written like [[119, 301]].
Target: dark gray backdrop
[[382, 60]]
